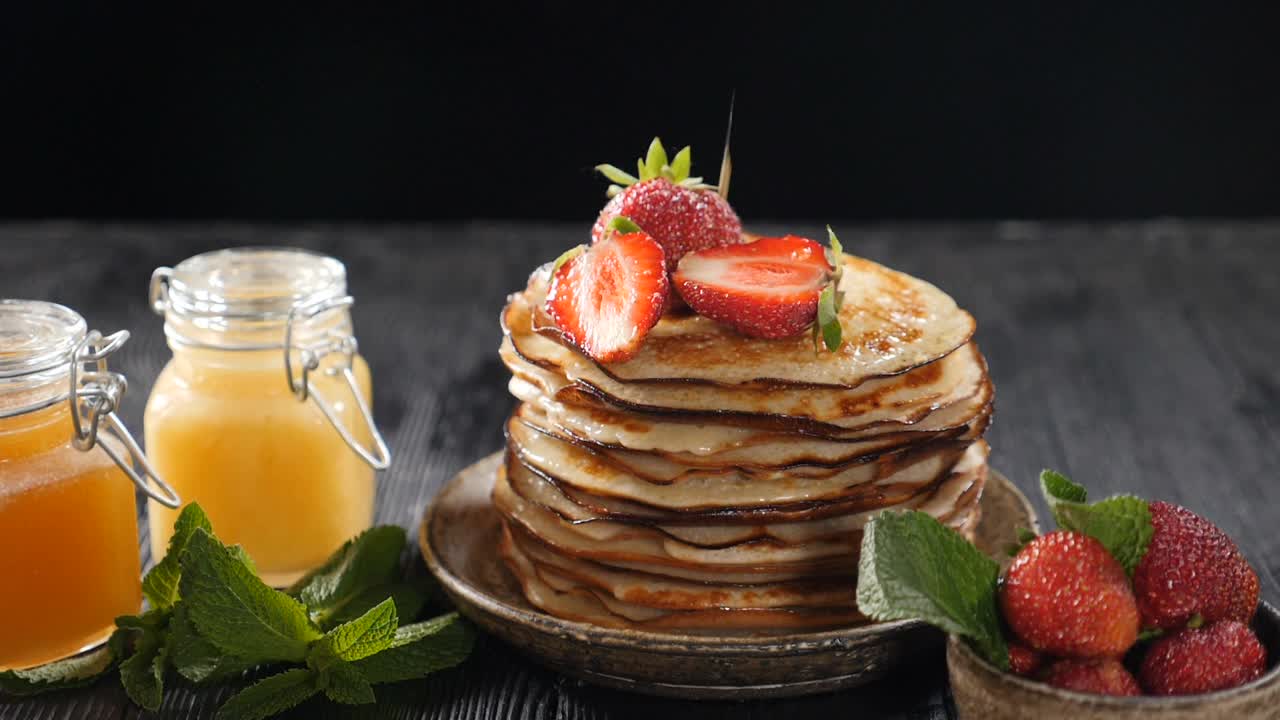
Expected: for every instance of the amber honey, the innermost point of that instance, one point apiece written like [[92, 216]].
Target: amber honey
[[68, 541]]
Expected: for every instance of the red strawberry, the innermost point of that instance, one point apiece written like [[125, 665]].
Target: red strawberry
[[678, 211], [1215, 657], [606, 299], [768, 288], [1065, 595], [1106, 676], [1023, 660], [1191, 567]]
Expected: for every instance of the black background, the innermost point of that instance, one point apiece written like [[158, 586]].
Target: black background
[[387, 111]]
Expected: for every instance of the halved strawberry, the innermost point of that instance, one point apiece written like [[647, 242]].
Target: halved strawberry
[[767, 289], [605, 299]]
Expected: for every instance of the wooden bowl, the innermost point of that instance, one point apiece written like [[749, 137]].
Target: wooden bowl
[[459, 541], [983, 692]]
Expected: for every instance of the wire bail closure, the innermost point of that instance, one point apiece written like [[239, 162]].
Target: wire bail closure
[[95, 394], [379, 458]]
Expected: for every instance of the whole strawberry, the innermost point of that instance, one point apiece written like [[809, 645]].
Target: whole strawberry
[[1191, 567], [1065, 595], [1105, 676], [680, 212], [1215, 657]]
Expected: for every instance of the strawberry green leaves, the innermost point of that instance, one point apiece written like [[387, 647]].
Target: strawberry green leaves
[[826, 327], [654, 165], [1121, 523], [913, 567]]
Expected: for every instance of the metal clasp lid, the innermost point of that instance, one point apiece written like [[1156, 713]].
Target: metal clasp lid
[[379, 457], [95, 394]]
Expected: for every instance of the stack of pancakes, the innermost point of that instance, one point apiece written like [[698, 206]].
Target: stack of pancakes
[[717, 482]]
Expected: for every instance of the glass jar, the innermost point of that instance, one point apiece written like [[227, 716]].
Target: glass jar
[[68, 521], [262, 416]]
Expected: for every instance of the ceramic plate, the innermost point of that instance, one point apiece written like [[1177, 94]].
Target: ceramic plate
[[459, 540]]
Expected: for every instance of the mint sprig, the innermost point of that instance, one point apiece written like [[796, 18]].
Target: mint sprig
[[73, 672], [1122, 523], [913, 567], [212, 618]]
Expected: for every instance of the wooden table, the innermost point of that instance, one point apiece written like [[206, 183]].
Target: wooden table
[[1137, 357]]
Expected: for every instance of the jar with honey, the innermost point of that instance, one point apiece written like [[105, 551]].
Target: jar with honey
[[68, 520], [263, 414]]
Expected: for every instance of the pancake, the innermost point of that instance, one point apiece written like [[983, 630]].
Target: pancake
[[892, 323], [716, 483]]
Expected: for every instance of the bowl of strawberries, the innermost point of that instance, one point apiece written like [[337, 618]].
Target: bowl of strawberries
[[1129, 609]]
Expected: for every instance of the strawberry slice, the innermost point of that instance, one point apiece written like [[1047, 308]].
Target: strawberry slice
[[766, 289], [606, 299]]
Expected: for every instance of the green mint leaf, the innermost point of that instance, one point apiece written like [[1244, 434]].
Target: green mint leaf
[[1121, 523], [160, 586], [654, 160], [1059, 488], [243, 556], [419, 650], [829, 318], [362, 637], [368, 560], [142, 674], [73, 672], [271, 696], [565, 257], [344, 684], [234, 610], [409, 596], [194, 657], [914, 567], [616, 175], [681, 164]]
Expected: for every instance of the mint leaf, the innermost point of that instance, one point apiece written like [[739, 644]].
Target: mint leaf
[[73, 672], [362, 637], [160, 586], [344, 684], [914, 567], [1122, 523], [420, 649], [142, 674], [368, 560], [409, 596], [272, 695], [235, 611], [1057, 488], [194, 657]]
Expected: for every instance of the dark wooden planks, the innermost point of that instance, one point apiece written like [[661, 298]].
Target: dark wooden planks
[[1137, 357]]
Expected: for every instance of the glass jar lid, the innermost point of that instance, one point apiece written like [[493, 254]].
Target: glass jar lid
[[37, 339], [48, 356], [253, 283]]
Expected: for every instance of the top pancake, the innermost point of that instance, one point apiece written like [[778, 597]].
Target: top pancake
[[892, 323]]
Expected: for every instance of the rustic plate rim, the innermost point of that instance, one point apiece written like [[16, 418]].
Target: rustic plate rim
[[666, 643]]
